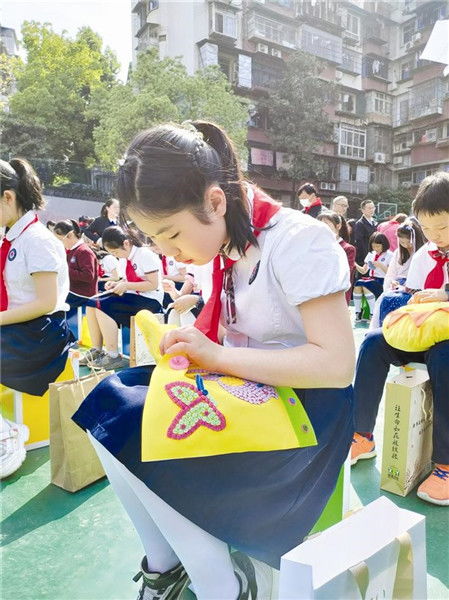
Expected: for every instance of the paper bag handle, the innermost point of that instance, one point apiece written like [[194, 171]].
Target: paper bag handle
[[403, 582]]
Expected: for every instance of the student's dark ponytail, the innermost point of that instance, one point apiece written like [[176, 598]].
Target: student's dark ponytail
[[19, 175], [338, 221], [168, 169], [65, 227], [114, 237]]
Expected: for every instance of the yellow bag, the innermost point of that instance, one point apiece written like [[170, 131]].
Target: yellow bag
[[190, 412], [417, 327]]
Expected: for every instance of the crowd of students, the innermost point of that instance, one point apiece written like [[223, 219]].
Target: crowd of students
[[198, 234]]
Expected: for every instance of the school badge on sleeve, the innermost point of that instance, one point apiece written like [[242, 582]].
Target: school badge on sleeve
[[190, 412]]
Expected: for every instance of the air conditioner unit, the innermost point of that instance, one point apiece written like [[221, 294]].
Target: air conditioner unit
[[379, 157], [406, 184], [332, 186], [276, 52], [323, 185], [262, 48]]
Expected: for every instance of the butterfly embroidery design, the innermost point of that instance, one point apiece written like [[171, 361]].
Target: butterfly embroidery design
[[197, 409], [244, 389]]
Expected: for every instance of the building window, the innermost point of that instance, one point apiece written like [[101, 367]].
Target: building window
[[352, 25], [346, 102], [427, 99], [423, 136], [273, 31], [351, 61], [262, 157], [264, 76], [408, 31], [429, 14], [322, 44], [382, 103], [351, 141], [443, 131], [225, 23], [374, 67], [406, 70], [418, 176]]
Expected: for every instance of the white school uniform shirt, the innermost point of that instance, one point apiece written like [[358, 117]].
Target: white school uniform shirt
[[298, 259], [384, 258], [202, 279], [109, 264], [421, 265], [35, 250], [144, 261], [396, 270], [173, 266]]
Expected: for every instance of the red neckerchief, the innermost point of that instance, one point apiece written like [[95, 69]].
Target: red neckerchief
[[435, 278], [164, 264], [316, 202], [376, 256], [131, 274], [208, 320], [4, 251]]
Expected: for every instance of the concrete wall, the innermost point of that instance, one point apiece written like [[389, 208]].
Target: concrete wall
[[58, 209]]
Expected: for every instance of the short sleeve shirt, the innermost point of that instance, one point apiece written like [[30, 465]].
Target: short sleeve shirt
[[145, 261], [384, 258], [420, 267], [33, 251], [298, 259]]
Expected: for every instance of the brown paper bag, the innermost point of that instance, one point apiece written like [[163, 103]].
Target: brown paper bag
[[74, 462]]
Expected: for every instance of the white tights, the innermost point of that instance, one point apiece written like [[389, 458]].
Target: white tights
[[169, 538]]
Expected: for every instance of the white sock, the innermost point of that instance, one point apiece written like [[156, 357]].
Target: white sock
[[113, 354], [166, 532], [357, 302], [371, 299]]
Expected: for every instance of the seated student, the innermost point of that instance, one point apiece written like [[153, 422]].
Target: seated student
[[139, 289], [285, 323], [337, 224], [34, 284], [429, 273], [376, 263], [410, 239], [189, 300]]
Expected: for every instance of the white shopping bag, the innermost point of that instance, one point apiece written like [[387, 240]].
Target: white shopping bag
[[378, 552]]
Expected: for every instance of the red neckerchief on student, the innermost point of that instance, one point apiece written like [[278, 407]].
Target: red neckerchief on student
[[164, 264], [316, 202], [4, 251], [435, 278], [131, 274], [372, 274], [209, 318]]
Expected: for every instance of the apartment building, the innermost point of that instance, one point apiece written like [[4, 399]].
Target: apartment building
[[391, 120]]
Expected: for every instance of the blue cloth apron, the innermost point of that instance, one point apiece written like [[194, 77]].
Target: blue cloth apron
[[34, 353], [263, 503]]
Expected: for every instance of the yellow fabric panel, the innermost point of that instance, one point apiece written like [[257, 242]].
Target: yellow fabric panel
[[417, 327]]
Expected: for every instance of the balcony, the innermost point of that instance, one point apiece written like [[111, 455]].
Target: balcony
[[375, 68], [352, 187], [321, 44], [374, 32], [427, 99], [269, 30], [321, 14], [351, 62]]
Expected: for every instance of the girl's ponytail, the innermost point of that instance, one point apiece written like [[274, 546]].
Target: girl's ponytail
[[21, 177], [237, 218], [65, 227]]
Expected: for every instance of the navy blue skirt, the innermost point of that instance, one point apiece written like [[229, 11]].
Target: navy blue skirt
[[373, 284], [75, 300], [34, 353], [263, 503], [122, 308]]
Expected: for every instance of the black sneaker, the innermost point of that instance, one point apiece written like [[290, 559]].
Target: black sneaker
[[257, 580], [161, 586]]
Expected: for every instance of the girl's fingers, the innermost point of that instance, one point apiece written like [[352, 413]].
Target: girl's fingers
[[178, 348]]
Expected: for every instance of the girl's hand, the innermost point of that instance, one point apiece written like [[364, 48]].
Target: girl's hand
[[195, 345], [109, 285], [119, 287], [428, 296], [184, 303], [168, 286]]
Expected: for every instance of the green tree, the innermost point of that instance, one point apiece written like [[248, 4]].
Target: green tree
[[297, 122], [160, 91], [400, 196], [54, 90]]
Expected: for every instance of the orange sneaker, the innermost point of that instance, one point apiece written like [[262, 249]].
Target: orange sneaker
[[362, 447], [435, 488]]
